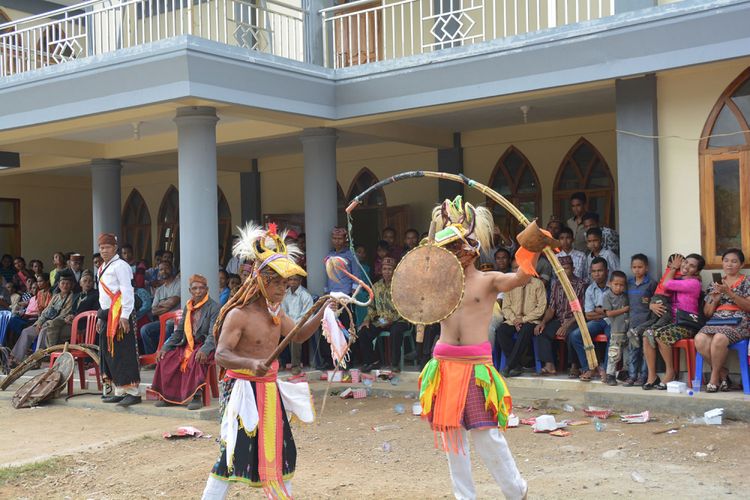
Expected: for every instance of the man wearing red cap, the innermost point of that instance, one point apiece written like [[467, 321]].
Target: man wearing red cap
[[118, 346]]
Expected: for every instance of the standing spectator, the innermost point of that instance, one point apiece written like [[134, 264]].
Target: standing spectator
[[594, 243], [727, 305], [615, 304], [558, 319], [126, 252], [223, 287], [21, 274], [297, 301], [566, 249], [686, 296], [233, 264], [389, 236], [36, 266], [166, 299], [523, 308], [610, 238], [361, 311], [383, 316], [594, 321], [502, 260], [58, 263], [578, 206], [76, 266], [640, 290], [6, 268], [381, 253], [97, 261], [554, 226], [411, 240], [234, 284]]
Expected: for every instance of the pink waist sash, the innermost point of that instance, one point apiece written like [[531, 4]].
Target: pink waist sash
[[448, 351]]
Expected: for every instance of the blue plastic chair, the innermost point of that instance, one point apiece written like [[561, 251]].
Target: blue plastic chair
[[500, 365], [741, 348], [4, 320]]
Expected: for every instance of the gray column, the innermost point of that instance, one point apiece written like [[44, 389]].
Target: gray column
[[105, 197], [199, 218], [638, 171], [451, 160], [630, 5], [319, 148], [313, 30], [250, 194]]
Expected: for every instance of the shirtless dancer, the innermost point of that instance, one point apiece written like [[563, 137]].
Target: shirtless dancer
[[460, 390], [249, 328]]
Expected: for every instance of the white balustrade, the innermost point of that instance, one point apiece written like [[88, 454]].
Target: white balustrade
[[98, 27], [366, 31]]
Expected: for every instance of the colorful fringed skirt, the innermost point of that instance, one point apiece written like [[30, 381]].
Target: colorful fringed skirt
[[460, 387]]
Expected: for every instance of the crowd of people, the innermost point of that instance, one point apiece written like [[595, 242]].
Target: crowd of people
[[642, 314]]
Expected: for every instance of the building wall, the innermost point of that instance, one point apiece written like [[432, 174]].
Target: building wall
[[685, 99], [55, 214]]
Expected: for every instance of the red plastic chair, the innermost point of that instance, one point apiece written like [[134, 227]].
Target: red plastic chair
[[687, 345], [176, 316], [80, 357]]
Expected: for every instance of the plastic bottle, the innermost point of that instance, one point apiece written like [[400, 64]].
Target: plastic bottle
[[598, 425], [399, 408]]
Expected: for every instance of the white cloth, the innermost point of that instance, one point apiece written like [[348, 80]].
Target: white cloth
[[335, 337], [216, 489], [296, 398], [494, 451], [117, 277]]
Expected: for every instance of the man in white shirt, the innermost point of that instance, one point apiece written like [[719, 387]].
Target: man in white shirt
[[297, 301], [116, 326], [566, 238]]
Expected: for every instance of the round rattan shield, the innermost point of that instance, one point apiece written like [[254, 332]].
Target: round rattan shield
[[428, 285]]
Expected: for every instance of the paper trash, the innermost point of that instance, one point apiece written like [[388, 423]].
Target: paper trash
[[713, 417], [636, 418]]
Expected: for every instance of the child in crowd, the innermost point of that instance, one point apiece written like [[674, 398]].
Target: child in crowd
[[654, 322], [235, 282], [640, 290], [615, 305], [381, 253]]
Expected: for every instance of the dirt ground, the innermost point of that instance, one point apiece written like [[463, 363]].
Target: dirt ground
[[118, 455]]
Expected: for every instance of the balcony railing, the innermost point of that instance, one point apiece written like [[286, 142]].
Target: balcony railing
[[100, 26], [366, 31]]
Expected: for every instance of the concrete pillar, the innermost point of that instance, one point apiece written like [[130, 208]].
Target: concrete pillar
[[638, 171], [319, 148], [630, 5], [313, 30], [250, 195], [196, 168], [105, 197], [451, 160]]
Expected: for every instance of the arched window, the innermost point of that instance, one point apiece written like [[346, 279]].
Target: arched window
[[136, 226], [225, 229], [364, 179], [514, 178], [169, 223], [725, 172], [584, 169]]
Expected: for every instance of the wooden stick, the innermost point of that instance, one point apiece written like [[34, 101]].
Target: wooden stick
[[503, 202]]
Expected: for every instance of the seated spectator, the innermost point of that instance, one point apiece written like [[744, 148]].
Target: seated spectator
[[76, 266], [11, 297], [234, 284], [6, 268], [544, 270], [523, 308], [297, 301], [566, 249], [21, 274], [142, 297], [25, 298], [245, 270], [381, 252], [360, 312], [554, 226], [595, 322], [615, 304], [594, 243], [389, 236], [59, 262], [50, 321], [685, 302], [727, 307], [502, 260], [640, 291], [36, 266], [86, 300], [610, 238], [558, 320], [411, 240], [382, 316], [30, 313], [223, 287], [166, 299], [184, 359]]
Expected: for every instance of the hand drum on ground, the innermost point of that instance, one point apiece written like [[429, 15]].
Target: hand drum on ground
[[427, 285]]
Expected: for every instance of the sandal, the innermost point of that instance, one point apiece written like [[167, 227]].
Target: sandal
[[653, 385], [725, 385], [546, 373], [711, 387], [587, 375], [574, 373]]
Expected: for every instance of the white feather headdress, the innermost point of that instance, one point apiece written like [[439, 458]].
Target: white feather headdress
[[261, 244]]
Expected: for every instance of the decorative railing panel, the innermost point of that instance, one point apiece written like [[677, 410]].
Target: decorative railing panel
[[98, 27]]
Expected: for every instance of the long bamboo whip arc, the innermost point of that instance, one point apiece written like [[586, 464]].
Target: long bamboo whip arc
[[575, 304]]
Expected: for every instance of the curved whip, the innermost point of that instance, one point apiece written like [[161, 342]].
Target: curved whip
[[575, 304]]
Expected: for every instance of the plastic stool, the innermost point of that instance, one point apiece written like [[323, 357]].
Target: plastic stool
[[741, 348], [687, 345], [501, 365]]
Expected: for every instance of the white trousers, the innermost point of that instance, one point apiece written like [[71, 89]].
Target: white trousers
[[216, 489], [494, 451]]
